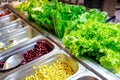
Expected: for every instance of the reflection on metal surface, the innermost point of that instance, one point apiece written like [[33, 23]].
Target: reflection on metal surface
[[8, 44], [87, 78]]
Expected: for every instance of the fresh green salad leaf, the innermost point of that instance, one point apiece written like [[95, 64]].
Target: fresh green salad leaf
[[41, 15], [95, 14], [54, 16], [58, 17], [100, 41], [111, 61], [24, 6], [64, 13], [92, 14]]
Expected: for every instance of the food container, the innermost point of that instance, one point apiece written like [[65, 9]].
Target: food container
[[30, 45], [12, 27], [7, 19], [30, 52], [28, 70], [15, 19], [4, 13], [99, 69], [11, 22], [26, 34]]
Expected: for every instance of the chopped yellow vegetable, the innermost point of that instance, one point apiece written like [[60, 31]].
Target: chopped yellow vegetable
[[55, 71]]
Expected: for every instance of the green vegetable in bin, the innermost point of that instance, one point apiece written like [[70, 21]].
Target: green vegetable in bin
[[63, 14], [25, 5], [42, 16], [95, 14], [92, 14], [60, 18], [54, 17], [59, 25], [111, 61], [99, 41]]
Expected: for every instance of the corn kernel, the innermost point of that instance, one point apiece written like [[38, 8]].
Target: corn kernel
[[55, 71]]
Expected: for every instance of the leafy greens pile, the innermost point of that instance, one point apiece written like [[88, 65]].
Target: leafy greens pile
[[99, 41], [56, 17], [24, 6], [93, 14]]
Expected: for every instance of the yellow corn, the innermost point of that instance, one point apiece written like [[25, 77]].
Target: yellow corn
[[55, 71]]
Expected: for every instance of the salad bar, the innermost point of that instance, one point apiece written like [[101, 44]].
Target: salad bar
[[57, 41]]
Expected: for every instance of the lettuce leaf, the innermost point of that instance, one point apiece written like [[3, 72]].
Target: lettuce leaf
[[99, 41]]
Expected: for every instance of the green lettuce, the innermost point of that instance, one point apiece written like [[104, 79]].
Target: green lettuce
[[99, 41]]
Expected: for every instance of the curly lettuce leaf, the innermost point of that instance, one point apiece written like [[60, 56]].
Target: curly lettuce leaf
[[99, 41]]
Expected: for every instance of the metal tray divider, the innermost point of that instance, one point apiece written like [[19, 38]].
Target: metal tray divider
[[12, 22], [13, 33]]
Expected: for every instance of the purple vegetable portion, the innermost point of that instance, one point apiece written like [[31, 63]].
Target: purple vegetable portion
[[41, 48]]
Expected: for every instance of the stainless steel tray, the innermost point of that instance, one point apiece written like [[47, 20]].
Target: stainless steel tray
[[105, 73], [7, 19], [11, 27], [4, 13], [11, 22], [24, 50], [20, 38], [45, 60], [29, 45]]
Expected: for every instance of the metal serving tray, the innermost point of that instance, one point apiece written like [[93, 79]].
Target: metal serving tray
[[12, 27], [7, 19], [20, 38], [30, 45], [45, 60], [105, 73], [27, 47], [11, 22], [4, 13]]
